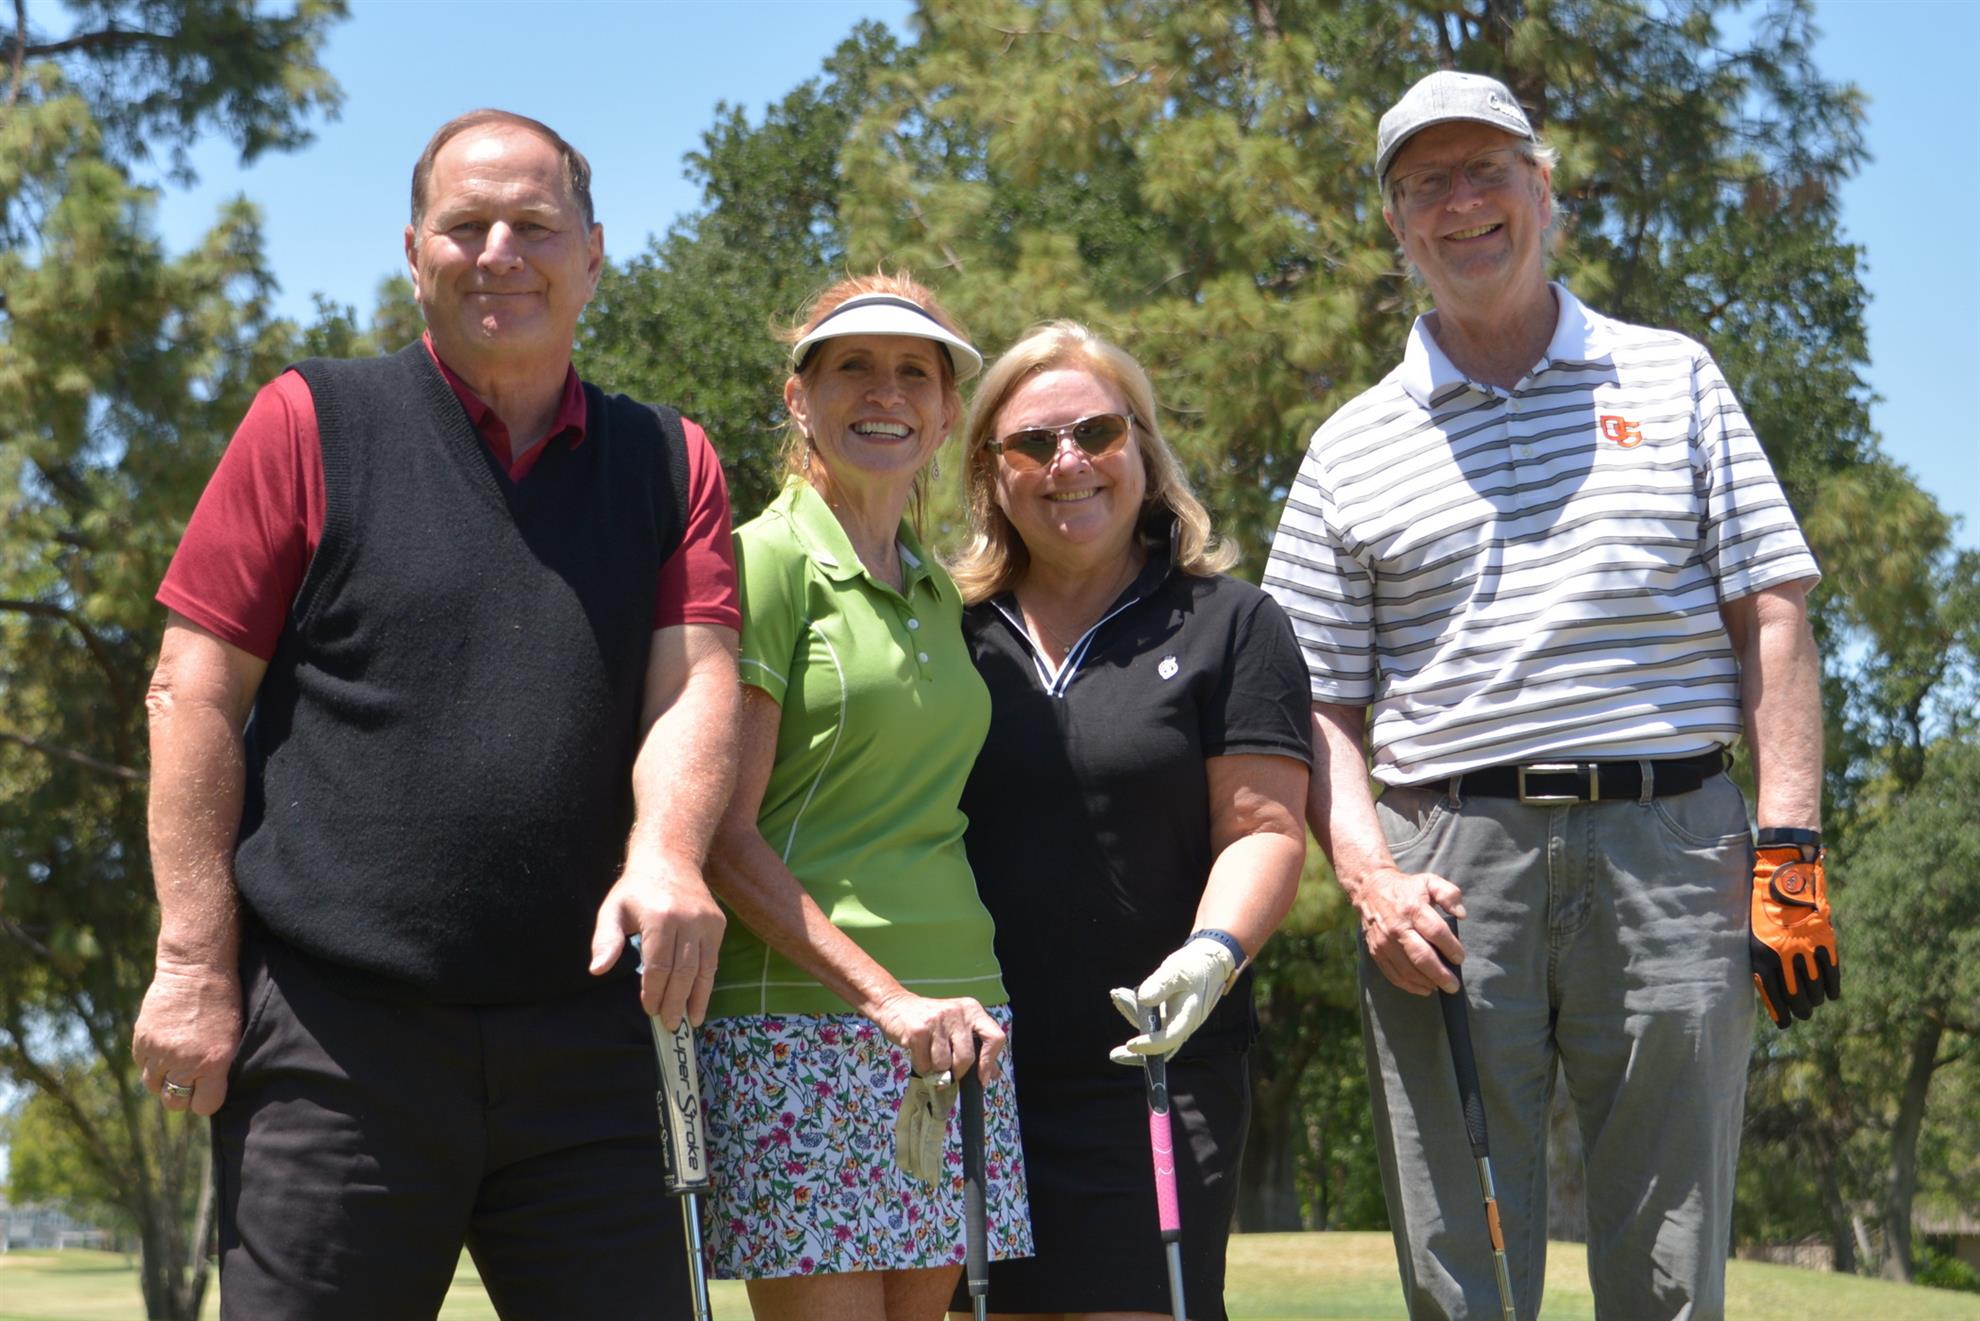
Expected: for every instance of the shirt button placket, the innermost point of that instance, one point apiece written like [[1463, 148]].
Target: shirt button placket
[[921, 657], [1512, 423]]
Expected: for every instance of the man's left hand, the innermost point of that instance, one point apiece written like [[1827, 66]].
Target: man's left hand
[[1792, 943], [664, 902]]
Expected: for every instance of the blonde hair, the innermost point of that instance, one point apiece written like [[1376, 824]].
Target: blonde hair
[[996, 558], [796, 450]]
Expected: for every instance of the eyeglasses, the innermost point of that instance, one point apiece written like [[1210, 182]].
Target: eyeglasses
[[1487, 170], [1034, 447]]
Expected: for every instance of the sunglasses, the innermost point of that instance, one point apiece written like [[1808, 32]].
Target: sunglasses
[[1034, 447]]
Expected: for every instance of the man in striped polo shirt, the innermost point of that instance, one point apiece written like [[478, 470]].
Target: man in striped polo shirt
[[1550, 553]]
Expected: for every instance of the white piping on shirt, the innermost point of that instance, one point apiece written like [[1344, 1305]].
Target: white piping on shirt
[[1056, 680], [790, 840], [782, 679], [814, 984]]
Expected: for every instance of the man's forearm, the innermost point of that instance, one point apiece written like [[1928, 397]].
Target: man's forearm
[[198, 773], [686, 765], [1339, 809], [1781, 701]]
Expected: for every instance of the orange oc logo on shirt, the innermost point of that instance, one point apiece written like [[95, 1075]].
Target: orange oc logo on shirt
[[1627, 434]]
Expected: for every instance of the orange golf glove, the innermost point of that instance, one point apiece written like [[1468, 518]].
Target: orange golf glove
[[1792, 943]]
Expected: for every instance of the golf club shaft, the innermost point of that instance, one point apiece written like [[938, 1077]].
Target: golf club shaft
[[1162, 1146], [697, 1270], [976, 1247], [683, 1157], [1457, 1030], [1500, 1271]]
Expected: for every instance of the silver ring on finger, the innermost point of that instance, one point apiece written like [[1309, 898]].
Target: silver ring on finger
[[177, 1090]]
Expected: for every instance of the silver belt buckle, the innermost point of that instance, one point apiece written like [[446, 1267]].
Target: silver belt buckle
[[1559, 768]]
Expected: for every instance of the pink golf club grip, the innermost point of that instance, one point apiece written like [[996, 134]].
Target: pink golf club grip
[[1163, 1145]]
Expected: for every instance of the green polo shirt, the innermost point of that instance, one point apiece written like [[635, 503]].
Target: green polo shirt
[[883, 714]]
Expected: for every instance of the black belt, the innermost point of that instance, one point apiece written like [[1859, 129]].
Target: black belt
[[1543, 782]]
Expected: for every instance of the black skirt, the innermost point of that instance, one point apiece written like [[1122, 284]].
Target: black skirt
[[1091, 1177]]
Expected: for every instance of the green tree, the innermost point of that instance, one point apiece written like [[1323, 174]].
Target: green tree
[[690, 320], [1913, 905], [47, 1164], [1293, 1173], [1843, 1107], [122, 372]]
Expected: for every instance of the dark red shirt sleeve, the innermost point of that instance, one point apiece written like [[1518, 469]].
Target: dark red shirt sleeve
[[250, 539], [698, 582]]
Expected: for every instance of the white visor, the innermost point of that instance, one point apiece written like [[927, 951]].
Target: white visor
[[889, 314]]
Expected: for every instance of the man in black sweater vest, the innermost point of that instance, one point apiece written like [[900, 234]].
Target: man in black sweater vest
[[445, 711]]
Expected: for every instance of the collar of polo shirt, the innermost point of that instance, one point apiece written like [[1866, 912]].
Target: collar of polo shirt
[[1427, 372], [824, 539]]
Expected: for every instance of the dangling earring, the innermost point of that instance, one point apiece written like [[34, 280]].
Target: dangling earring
[[935, 469]]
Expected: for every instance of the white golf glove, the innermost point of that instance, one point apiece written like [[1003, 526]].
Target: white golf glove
[[921, 1129], [1186, 986]]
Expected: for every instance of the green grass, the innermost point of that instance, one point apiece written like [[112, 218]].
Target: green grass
[[1273, 1277], [1293, 1277]]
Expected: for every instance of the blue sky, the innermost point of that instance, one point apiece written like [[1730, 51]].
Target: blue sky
[[635, 85]]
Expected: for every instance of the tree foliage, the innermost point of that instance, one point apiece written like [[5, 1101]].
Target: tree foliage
[[156, 75], [691, 319], [47, 1164], [122, 371]]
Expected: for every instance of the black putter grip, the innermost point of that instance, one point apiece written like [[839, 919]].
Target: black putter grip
[[1457, 1026], [976, 1252]]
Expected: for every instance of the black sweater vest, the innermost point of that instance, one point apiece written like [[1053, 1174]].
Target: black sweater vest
[[439, 779]]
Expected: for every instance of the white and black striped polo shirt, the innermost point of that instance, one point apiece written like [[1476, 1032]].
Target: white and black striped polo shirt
[[1517, 575]]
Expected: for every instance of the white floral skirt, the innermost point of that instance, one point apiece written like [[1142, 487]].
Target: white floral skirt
[[801, 1153]]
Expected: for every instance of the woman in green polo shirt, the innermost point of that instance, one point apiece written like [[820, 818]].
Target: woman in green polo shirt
[[861, 956]]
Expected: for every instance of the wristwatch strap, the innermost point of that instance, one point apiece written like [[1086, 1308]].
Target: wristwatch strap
[[1229, 942], [1807, 842]]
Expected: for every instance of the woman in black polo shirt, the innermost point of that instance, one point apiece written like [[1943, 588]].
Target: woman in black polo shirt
[[1135, 817]]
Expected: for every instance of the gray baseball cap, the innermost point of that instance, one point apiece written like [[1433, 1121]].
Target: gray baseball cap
[[1442, 98]]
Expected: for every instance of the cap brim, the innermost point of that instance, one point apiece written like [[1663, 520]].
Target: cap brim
[[889, 315]]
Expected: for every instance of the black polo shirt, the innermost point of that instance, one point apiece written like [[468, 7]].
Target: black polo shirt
[[1089, 812]]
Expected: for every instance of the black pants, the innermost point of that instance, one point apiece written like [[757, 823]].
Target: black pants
[[1091, 1179], [363, 1142]]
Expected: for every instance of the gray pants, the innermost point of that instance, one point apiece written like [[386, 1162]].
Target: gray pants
[[1610, 938]]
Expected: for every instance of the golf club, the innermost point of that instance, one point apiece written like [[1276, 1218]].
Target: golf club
[[976, 1230], [1162, 1145], [1457, 1027], [683, 1156]]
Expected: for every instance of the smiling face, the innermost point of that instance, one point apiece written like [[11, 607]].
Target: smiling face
[[1476, 248], [874, 406], [1076, 510], [502, 261]]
